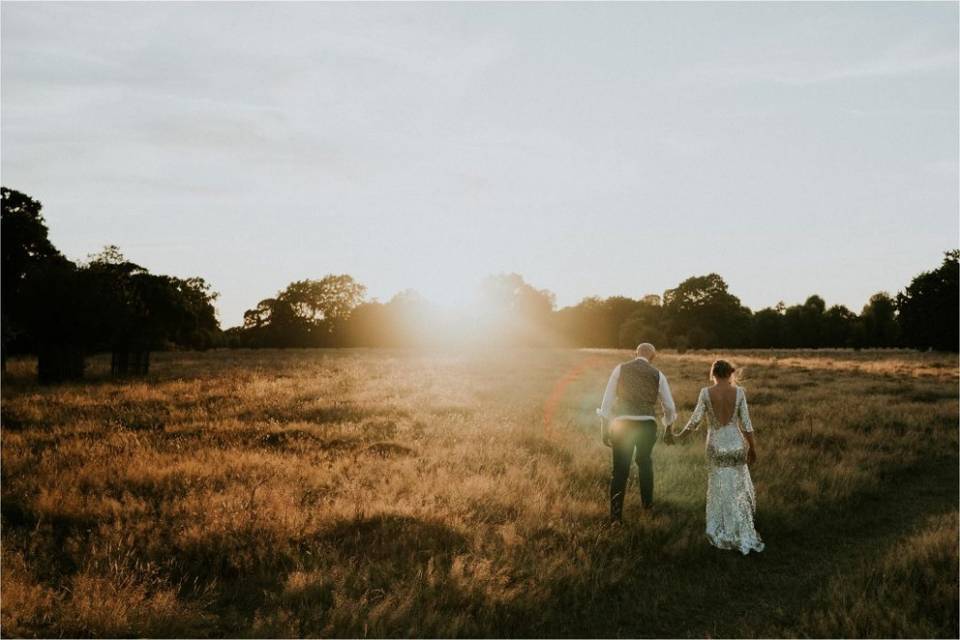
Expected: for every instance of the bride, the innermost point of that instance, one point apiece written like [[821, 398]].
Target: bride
[[731, 501]]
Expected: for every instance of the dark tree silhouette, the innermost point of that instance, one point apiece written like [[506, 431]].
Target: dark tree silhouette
[[601, 322], [929, 316], [26, 246], [60, 308], [703, 313], [308, 313], [838, 327], [645, 324], [117, 285], [139, 312], [803, 323], [878, 322], [768, 327]]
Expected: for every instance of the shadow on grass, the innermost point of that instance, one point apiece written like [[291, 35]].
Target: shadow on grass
[[252, 575], [393, 538], [638, 584], [47, 537], [336, 413]]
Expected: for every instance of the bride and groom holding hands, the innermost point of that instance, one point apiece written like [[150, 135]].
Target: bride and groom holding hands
[[629, 428]]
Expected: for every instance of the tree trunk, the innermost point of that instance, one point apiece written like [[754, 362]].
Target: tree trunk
[[59, 363], [124, 362], [119, 362], [140, 363]]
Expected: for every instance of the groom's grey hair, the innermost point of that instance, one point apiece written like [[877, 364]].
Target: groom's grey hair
[[645, 349]]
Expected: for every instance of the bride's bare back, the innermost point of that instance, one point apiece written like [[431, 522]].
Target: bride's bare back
[[723, 398]]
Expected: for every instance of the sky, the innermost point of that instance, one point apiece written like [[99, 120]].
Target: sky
[[594, 148]]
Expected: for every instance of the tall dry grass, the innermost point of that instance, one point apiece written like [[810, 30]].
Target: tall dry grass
[[403, 493]]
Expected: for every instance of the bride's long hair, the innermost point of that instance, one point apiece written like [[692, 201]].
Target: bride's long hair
[[723, 370]]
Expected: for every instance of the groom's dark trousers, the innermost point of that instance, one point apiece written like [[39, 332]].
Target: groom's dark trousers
[[629, 439]]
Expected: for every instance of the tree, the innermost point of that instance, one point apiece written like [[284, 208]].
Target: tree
[[308, 313], [407, 320], [370, 326], [411, 320], [645, 324], [514, 311], [768, 328], [579, 324], [121, 309], [702, 311], [60, 309], [196, 325], [274, 323], [803, 324], [138, 312], [928, 308], [838, 327], [610, 322], [63, 311], [25, 246], [616, 311], [329, 299], [879, 322]]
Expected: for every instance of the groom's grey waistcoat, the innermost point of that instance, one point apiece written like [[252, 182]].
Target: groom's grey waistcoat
[[637, 389]]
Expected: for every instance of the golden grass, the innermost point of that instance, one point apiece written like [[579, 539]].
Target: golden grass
[[405, 493]]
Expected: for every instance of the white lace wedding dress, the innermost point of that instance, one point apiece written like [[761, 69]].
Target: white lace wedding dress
[[731, 500]]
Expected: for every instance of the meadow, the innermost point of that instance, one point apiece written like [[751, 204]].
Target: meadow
[[417, 493]]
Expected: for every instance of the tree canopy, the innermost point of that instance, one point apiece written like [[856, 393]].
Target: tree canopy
[[62, 311], [307, 313], [928, 307]]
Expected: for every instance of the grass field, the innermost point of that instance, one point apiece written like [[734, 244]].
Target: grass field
[[397, 493]]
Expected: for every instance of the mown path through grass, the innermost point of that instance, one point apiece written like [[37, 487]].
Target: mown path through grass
[[694, 590], [768, 594]]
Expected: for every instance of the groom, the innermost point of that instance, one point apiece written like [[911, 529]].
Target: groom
[[628, 425]]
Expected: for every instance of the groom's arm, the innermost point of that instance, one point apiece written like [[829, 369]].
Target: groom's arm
[[606, 406], [610, 394], [666, 402]]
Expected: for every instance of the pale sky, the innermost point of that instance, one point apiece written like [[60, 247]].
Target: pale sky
[[596, 149]]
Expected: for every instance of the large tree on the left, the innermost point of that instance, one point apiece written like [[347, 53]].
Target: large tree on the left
[[29, 261]]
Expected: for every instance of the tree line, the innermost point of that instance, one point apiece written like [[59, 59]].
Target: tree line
[[62, 311], [699, 313]]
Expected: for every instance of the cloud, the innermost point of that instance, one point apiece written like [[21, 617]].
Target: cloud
[[795, 66], [901, 61]]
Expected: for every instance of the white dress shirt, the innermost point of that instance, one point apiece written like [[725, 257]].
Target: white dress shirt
[[610, 396]]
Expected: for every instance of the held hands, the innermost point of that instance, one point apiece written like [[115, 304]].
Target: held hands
[[669, 437]]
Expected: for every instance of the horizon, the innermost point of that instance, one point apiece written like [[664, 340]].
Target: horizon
[[426, 147]]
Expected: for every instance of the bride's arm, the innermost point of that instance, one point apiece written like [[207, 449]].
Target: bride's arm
[[752, 451], [746, 427], [696, 418]]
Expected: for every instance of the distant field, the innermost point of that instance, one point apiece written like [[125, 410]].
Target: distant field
[[402, 493]]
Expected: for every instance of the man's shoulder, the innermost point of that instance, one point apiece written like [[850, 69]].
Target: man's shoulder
[[639, 364], [646, 364]]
